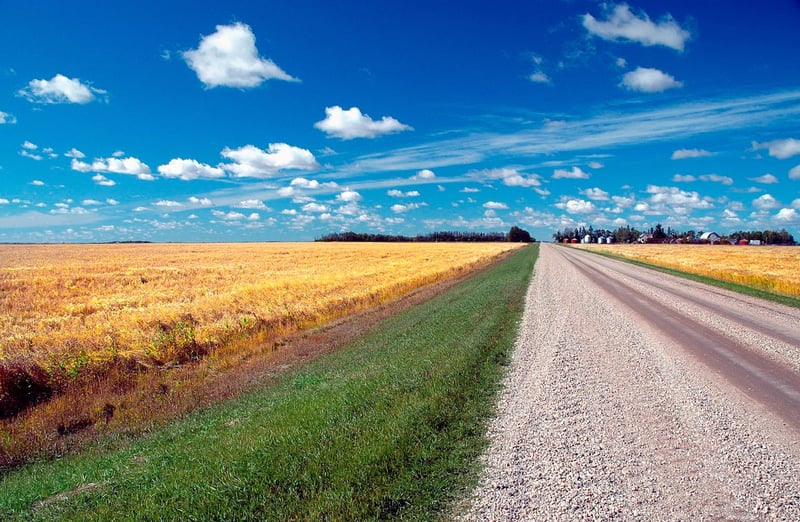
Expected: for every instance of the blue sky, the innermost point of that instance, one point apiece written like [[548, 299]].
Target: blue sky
[[286, 120]]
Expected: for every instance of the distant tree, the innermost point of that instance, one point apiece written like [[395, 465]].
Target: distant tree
[[518, 235], [659, 233]]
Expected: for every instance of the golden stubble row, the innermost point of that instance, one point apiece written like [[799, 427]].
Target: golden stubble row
[[772, 268], [63, 307]]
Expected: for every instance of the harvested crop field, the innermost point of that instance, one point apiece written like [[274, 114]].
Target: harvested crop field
[[775, 269], [75, 314]]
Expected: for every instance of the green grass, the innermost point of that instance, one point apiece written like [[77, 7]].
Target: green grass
[[734, 287], [388, 427]]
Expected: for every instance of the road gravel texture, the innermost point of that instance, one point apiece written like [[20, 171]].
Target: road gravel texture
[[634, 395]]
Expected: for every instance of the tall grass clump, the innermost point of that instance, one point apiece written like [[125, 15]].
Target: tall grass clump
[[388, 427]]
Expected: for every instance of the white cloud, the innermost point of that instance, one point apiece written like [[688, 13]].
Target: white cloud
[[29, 146], [228, 216], [494, 205], [168, 203], [766, 179], [131, 166], [690, 153], [37, 183], [74, 153], [204, 202], [795, 173], [252, 162], [577, 206], [716, 178], [59, 89], [621, 63], [539, 77], [595, 165], [399, 209], [575, 173], [683, 178], [510, 177], [90, 202], [27, 154], [103, 181], [348, 196], [623, 24], [766, 202], [229, 58], [662, 199], [596, 194], [112, 202], [400, 194], [6, 118], [252, 204], [788, 215], [780, 149], [350, 124], [312, 184], [647, 79], [424, 174], [189, 169], [315, 207]]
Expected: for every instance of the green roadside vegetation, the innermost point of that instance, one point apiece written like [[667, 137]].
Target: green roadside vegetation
[[388, 427], [734, 287]]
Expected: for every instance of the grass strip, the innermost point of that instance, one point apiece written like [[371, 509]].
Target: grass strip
[[388, 427], [734, 287]]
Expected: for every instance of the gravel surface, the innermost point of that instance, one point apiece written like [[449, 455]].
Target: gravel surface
[[611, 413]]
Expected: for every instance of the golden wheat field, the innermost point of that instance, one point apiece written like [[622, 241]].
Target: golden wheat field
[[772, 268], [66, 308]]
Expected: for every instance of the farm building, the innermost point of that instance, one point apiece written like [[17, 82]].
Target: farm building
[[710, 237]]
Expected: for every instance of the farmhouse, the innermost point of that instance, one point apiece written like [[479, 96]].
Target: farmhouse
[[709, 237]]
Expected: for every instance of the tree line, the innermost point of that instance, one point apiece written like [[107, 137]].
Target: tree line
[[514, 235], [627, 234]]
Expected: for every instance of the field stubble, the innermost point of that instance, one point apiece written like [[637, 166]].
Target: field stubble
[[775, 269], [106, 319]]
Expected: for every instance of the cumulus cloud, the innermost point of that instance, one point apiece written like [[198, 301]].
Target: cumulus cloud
[[689, 153], [231, 216], [400, 194], [399, 209], [495, 205], [716, 178], [575, 173], [766, 202], [510, 177], [780, 149], [229, 58], [203, 202], [683, 178], [766, 179], [595, 165], [788, 215], [252, 162], [350, 124], [596, 194], [59, 89], [315, 207], [103, 181], [6, 118], [647, 79], [312, 184], [167, 203], [794, 173], [189, 169], [130, 165], [74, 153], [424, 174], [539, 77], [348, 196], [253, 204], [663, 199], [623, 24], [577, 206]]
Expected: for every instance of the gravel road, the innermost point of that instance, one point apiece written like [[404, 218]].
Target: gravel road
[[634, 395]]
